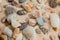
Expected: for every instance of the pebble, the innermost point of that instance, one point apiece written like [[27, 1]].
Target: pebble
[[0, 1], [19, 37], [9, 10], [23, 26], [4, 37], [54, 19], [32, 22], [21, 12], [40, 21], [7, 31], [16, 32], [10, 0], [52, 4], [29, 32], [22, 1]]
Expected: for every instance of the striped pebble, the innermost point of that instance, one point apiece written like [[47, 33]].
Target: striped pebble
[[7, 31], [29, 32], [54, 18], [19, 37]]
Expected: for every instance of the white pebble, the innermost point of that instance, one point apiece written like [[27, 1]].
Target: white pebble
[[29, 32], [54, 18], [19, 37], [7, 31]]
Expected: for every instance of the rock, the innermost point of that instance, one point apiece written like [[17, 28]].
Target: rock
[[29, 32], [32, 22], [19, 37], [54, 19], [7, 31], [16, 32], [22, 1], [23, 26], [40, 21], [21, 12]]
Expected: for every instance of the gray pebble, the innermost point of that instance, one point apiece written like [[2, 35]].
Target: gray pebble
[[40, 21], [21, 1]]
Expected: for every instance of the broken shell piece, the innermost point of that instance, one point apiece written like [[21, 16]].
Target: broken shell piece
[[19, 37], [29, 32], [16, 32], [7, 31], [54, 18], [32, 22], [40, 21], [27, 7]]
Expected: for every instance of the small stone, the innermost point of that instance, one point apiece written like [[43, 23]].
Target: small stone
[[22, 1], [16, 32], [29, 32], [19, 37], [4, 37], [21, 12], [52, 4], [7, 31], [23, 26], [32, 22], [40, 21], [9, 10], [10, 0]]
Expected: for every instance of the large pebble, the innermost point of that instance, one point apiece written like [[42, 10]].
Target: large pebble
[[7, 31], [54, 18], [29, 32], [40, 20], [19, 37]]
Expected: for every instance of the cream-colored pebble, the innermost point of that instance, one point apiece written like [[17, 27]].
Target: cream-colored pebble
[[29, 32], [7, 31], [16, 32], [4, 37], [32, 22], [19, 37], [54, 19]]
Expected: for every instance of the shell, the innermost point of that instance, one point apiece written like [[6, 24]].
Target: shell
[[54, 19], [29, 32]]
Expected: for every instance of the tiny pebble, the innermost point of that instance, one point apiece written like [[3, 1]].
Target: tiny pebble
[[21, 12], [40, 21], [21, 1]]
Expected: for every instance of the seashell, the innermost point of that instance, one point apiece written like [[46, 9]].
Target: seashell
[[7, 31], [19, 37], [54, 19], [29, 32]]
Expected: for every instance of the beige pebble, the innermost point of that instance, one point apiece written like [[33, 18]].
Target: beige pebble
[[4, 37], [16, 32], [32, 22], [29, 32], [27, 7], [19, 37]]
